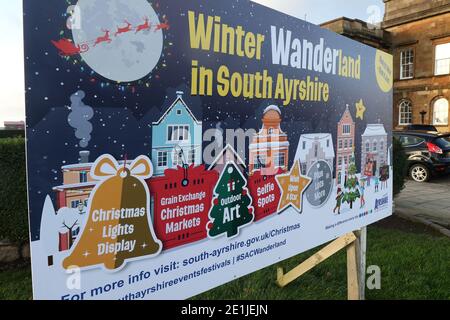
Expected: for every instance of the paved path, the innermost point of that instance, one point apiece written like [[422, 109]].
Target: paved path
[[427, 200]]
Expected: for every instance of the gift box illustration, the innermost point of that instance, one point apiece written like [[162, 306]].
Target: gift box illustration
[[181, 200]]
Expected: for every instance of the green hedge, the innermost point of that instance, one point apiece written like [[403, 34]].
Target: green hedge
[[12, 133], [400, 169], [13, 190]]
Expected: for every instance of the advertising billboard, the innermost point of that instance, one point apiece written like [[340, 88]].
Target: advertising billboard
[[174, 146]]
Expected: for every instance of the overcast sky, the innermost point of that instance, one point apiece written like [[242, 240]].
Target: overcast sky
[[11, 55]]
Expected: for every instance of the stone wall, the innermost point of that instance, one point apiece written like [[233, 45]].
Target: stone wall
[[402, 11], [422, 36]]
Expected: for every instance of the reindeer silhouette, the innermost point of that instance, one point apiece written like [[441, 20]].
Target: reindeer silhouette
[[126, 29], [145, 26], [104, 38], [163, 26]]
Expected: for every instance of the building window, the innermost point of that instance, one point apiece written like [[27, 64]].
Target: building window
[[345, 144], [191, 157], [440, 112], [280, 159], [340, 161], [162, 159], [405, 116], [260, 162], [177, 159], [271, 131], [367, 147], [83, 177], [304, 145], [381, 145], [375, 146], [177, 133], [407, 64], [179, 112], [74, 204], [442, 59], [316, 151], [346, 129], [303, 168], [340, 144]]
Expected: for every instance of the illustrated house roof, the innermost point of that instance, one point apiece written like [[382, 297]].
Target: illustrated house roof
[[348, 114], [178, 102], [221, 158], [309, 140], [75, 186], [375, 130], [272, 107]]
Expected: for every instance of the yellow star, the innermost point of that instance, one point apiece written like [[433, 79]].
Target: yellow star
[[360, 109], [292, 186]]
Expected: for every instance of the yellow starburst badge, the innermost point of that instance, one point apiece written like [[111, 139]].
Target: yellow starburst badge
[[292, 186], [360, 109]]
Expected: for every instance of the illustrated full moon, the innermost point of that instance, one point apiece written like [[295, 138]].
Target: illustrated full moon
[[128, 56]]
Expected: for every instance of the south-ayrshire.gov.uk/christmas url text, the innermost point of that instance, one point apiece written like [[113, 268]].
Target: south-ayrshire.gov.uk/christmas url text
[[216, 253]]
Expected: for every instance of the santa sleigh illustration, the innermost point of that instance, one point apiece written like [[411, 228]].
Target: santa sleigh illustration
[[67, 48]]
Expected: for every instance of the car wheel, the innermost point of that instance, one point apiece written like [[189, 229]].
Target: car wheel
[[419, 173]]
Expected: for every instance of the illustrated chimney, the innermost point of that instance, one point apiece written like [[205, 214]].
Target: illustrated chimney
[[180, 94], [84, 156]]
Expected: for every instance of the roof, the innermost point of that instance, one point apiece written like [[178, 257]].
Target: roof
[[309, 139], [374, 130], [76, 185], [87, 165], [272, 108], [221, 154], [179, 100], [347, 111]]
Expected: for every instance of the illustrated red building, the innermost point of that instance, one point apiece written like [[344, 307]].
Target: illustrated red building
[[269, 149], [180, 203], [265, 193], [345, 143]]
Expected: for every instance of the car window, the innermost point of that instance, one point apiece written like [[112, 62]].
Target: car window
[[409, 141], [422, 127], [443, 142]]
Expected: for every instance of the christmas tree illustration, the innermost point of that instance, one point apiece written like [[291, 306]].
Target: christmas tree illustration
[[351, 185], [232, 205]]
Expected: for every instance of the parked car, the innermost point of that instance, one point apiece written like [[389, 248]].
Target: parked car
[[428, 153], [421, 127]]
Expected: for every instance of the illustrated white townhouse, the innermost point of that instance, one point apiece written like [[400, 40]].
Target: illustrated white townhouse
[[374, 147]]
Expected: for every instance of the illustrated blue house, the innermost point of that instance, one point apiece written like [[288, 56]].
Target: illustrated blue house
[[176, 138]]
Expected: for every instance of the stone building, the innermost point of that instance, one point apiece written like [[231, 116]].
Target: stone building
[[417, 34]]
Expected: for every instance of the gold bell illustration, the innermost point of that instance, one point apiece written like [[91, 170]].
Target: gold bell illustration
[[119, 226]]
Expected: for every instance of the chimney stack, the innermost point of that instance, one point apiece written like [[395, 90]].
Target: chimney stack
[[84, 156]]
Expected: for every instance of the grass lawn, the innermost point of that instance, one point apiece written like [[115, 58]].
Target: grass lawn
[[414, 262]]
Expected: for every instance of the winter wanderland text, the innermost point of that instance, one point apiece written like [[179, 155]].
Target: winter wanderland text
[[211, 33]]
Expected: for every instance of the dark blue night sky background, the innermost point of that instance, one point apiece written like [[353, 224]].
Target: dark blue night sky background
[[123, 114]]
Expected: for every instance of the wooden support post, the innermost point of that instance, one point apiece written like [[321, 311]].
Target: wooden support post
[[352, 273], [361, 247], [338, 244], [356, 250]]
